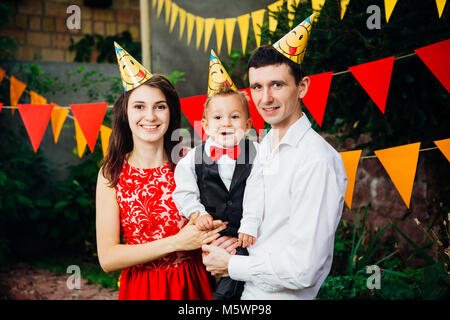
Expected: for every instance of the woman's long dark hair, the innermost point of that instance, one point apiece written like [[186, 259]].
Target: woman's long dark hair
[[121, 140]]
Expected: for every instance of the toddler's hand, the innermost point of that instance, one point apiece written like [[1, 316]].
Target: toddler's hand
[[204, 222], [246, 240]]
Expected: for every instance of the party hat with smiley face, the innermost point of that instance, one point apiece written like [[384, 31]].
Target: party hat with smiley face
[[132, 72], [217, 75], [293, 44]]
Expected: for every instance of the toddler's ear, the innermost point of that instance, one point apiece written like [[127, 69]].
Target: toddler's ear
[[205, 125]]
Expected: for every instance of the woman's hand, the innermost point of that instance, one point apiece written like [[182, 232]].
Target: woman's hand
[[190, 237]]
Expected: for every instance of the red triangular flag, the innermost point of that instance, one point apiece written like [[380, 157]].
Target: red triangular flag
[[192, 108], [316, 97], [1, 106], [90, 117], [35, 118], [436, 57], [375, 78], [257, 120]]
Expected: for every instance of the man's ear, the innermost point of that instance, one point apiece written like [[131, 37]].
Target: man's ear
[[303, 87]]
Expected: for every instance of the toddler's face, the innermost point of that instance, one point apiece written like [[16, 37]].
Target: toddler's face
[[226, 120]]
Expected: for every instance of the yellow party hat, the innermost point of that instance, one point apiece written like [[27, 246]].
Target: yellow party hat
[[132, 72], [217, 75], [293, 44]]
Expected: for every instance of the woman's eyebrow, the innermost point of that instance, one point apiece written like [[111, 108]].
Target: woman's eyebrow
[[138, 101]]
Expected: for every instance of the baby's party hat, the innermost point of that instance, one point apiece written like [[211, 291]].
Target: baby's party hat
[[293, 44], [132, 72], [217, 75]]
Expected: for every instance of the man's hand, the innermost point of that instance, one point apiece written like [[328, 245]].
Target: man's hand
[[216, 260], [228, 243]]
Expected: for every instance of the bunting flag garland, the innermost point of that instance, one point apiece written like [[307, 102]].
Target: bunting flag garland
[[153, 4], [35, 119], [317, 95], [160, 5], [401, 164], [230, 24], [1, 106], [105, 133], [389, 6], [16, 88], [192, 108], [257, 21], [440, 4], [59, 115], [190, 26], [291, 5], [168, 7], [199, 23], [444, 146], [274, 8], [344, 5], [317, 4], [36, 98], [351, 161], [2, 74], [81, 140], [436, 58], [209, 25], [174, 15], [182, 15], [90, 117], [220, 29], [244, 22], [375, 78]]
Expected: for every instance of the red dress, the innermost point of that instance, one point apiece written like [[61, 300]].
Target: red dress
[[148, 213]]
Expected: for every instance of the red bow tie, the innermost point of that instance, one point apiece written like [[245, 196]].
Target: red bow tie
[[217, 152]]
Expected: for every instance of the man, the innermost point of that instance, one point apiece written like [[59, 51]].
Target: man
[[304, 189]]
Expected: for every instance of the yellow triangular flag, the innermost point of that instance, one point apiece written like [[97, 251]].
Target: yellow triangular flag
[[81, 140], [351, 160], [317, 4], [182, 15], [274, 8], [16, 88], [257, 21], [291, 5], [389, 6], [401, 164], [190, 26], [220, 28], [244, 22], [58, 117], [153, 4], [200, 23], [36, 98], [344, 5], [160, 5], [444, 146], [209, 25], [229, 30], [168, 6], [173, 17], [2, 74], [440, 6], [105, 133]]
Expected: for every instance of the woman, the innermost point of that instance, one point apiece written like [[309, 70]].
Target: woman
[[161, 257]]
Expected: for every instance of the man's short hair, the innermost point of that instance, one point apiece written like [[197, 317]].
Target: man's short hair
[[267, 55], [225, 90]]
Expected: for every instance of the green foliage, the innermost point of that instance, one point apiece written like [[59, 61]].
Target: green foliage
[[89, 44]]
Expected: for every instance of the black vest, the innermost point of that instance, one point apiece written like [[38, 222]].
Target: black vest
[[220, 203]]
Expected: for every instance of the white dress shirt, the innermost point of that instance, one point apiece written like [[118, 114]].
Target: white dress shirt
[[304, 190], [186, 195]]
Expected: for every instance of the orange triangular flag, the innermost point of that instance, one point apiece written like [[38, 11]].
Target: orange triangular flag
[[16, 88], [59, 115], [2, 74], [90, 117], [81, 140], [35, 118], [105, 133], [36, 98], [351, 160], [401, 164], [375, 78], [444, 146]]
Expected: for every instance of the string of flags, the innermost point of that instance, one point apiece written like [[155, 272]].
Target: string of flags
[[204, 25]]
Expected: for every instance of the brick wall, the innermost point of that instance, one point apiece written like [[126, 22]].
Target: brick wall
[[41, 32]]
